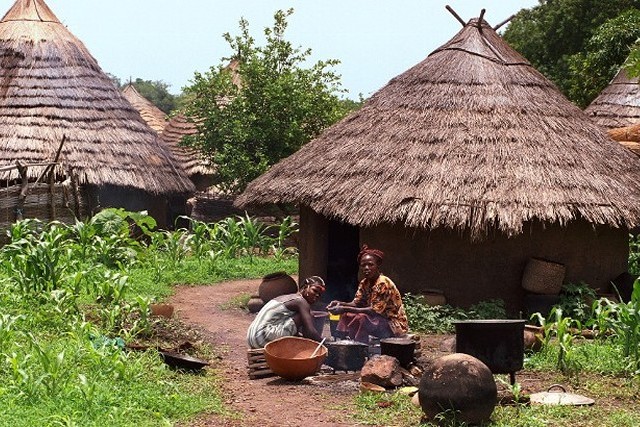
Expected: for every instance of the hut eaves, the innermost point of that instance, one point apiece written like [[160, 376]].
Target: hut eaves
[[189, 158], [52, 87], [472, 138]]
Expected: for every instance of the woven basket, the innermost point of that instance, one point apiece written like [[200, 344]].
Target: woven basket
[[543, 277]]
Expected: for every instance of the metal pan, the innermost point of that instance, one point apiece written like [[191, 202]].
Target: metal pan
[[182, 361], [560, 398]]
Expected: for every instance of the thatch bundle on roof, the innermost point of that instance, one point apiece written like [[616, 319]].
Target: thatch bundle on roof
[[461, 168], [52, 87], [618, 105], [152, 115], [628, 137]]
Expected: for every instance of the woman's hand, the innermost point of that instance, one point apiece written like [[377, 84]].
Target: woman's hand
[[336, 309], [333, 304]]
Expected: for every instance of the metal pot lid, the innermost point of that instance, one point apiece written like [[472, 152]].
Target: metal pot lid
[[560, 398]]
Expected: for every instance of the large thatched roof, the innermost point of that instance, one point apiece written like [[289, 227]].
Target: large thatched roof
[[472, 138], [618, 105], [152, 115], [52, 87], [190, 159]]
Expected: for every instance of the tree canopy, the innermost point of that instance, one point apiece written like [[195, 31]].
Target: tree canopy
[[578, 44], [261, 104]]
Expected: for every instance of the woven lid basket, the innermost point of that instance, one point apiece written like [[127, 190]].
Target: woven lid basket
[[543, 277]]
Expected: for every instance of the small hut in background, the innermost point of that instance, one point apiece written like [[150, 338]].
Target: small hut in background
[[62, 118], [618, 105], [461, 169], [152, 115]]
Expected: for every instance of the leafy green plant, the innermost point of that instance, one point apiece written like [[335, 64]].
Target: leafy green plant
[[563, 329], [625, 323], [576, 301]]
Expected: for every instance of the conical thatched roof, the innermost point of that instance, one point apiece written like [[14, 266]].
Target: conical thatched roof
[[618, 105], [472, 138], [152, 115], [52, 87], [190, 159]]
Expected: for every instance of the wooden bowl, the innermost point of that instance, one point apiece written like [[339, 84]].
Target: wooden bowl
[[290, 357]]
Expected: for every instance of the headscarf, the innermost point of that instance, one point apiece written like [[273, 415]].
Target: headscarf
[[368, 251]]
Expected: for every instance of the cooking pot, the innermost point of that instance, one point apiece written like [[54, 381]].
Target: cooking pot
[[402, 349], [346, 355]]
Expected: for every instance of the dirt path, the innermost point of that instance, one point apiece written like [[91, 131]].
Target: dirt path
[[264, 402]]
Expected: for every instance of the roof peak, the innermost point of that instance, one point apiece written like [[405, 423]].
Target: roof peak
[[30, 10]]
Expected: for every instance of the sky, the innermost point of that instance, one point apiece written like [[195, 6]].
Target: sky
[[170, 40]]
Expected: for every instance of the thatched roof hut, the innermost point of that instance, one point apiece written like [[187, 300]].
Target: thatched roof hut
[[192, 162], [53, 88], [618, 105], [152, 115], [462, 168]]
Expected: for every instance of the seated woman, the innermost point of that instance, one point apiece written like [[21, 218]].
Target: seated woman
[[287, 315], [377, 308]]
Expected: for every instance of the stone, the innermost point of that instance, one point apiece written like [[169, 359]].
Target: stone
[[382, 370]]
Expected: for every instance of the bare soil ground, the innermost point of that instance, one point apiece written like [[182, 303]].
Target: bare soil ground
[[261, 402], [273, 401]]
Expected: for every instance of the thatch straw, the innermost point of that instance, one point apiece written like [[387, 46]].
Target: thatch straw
[[618, 105], [472, 138], [51, 86], [190, 159], [152, 115]]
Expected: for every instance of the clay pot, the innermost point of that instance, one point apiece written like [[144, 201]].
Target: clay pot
[[276, 284], [458, 385], [255, 304], [163, 310], [290, 357], [532, 338]]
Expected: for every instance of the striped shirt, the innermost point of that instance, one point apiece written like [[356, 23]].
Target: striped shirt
[[273, 321]]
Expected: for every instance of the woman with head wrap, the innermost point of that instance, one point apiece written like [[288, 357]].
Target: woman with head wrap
[[377, 308], [287, 315]]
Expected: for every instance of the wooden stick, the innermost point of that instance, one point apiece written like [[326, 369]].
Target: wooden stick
[[453, 12], [503, 22], [480, 19]]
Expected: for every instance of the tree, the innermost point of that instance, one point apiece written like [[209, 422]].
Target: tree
[[157, 92], [550, 34], [605, 52], [264, 108]]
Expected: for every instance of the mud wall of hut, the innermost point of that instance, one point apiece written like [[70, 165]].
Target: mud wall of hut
[[469, 272], [109, 196]]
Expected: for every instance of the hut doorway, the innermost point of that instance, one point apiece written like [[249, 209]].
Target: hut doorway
[[342, 268]]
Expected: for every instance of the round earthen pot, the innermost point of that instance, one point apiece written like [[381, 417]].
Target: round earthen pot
[[276, 284], [459, 387], [255, 304]]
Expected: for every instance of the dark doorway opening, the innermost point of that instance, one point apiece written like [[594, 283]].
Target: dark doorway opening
[[342, 267]]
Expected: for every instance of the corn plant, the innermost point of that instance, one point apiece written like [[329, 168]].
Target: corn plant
[[37, 263], [625, 324], [563, 329]]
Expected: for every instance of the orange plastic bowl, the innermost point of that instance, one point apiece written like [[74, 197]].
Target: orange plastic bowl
[[290, 357]]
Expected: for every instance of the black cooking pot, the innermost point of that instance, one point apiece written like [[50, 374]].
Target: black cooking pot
[[402, 349], [346, 355]]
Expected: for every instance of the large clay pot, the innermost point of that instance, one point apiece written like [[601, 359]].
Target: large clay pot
[[255, 304], [276, 284], [458, 386]]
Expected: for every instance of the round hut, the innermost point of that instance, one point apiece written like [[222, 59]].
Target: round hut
[[152, 115], [461, 169], [618, 105], [63, 117]]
